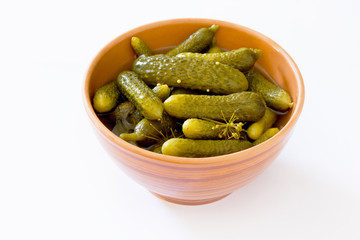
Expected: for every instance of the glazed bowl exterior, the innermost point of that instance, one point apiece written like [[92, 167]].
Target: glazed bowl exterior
[[193, 180]]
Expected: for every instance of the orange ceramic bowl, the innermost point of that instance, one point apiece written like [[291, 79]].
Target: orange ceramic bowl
[[193, 180]]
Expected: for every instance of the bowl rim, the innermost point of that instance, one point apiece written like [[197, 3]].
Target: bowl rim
[[229, 158]]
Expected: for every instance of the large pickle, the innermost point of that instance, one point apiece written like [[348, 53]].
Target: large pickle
[[244, 106], [190, 73], [140, 95], [242, 58], [197, 42], [202, 148], [275, 97], [106, 97]]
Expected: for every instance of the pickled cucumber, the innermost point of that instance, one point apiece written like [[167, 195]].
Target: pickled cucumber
[[140, 95], [242, 58], [205, 129], [202, 148], [162, 91], [266, 135], [275, 97], [190, 73], [197, 42], [126, 116], [214, 48], [151, 129], [106, 97], [140, 47], [257, 128], [244, 106], [127, 109], [242, 101]]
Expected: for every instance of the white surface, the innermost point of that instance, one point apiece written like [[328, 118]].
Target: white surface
[[56, 182]]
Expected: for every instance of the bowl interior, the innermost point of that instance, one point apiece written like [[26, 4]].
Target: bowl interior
[[274, 62]]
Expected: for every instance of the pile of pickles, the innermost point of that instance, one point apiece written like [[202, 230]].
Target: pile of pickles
[[196, 100]]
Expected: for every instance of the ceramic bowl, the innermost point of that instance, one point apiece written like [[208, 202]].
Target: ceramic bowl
[[193, 180]]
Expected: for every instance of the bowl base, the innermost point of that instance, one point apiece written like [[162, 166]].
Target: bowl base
[[189, 202]]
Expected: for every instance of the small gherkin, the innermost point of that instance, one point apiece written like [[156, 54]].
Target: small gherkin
[[197, 42], [275, 97]]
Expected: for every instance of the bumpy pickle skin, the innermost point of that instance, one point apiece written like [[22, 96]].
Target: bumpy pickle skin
[[245, 106], [202, 148], [197, 42], [196, 74], [126, 116], [266, 135], [242, 58], [127, 109], [106, 97], [194, 128], [151, 129], [275, 97], [257, 128], [140, 95], [140, 47]]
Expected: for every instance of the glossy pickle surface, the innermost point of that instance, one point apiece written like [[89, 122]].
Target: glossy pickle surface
[[140, 95], [191, 73], [202, 148], [245, 106], [183, 81], [197, 42]]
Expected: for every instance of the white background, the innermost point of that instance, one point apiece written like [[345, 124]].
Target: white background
[[56, 181]]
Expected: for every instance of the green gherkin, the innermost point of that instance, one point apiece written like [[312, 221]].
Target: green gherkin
[[106, 97], [202, 148], [197, 42], [194, 128], [266, 135], [140, 95], [243, 106], [275, 97], [162, 91], [214, 48], [242, 58], [140, 47], [255, 130], [190, 73]]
